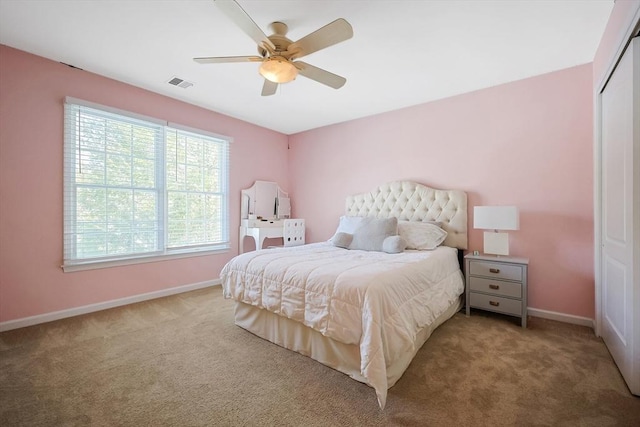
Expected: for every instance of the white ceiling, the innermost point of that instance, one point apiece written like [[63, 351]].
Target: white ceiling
[[403, 52]]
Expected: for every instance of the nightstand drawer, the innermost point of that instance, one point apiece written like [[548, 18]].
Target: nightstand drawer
[[497, 270], [494, 303], [496, 287]]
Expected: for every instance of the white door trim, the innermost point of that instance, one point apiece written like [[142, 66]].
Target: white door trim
[[633, 26]]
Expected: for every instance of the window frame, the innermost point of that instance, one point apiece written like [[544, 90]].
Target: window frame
[[163, 252]]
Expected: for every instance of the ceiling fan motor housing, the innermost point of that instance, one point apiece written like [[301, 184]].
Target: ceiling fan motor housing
[[278, 38]]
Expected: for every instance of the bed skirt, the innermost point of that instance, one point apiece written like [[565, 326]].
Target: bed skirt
[[342, 357]]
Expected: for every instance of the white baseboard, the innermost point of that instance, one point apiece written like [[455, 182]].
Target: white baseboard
[[76, 311], [561, 317], [62, 314]]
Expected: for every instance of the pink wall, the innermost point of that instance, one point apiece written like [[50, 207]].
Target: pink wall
[[527, 143], [32, 91]]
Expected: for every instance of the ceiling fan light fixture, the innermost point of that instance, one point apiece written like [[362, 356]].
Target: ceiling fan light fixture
[[278, 70]]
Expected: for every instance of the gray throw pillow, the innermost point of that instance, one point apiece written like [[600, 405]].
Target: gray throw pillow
[[394, 245], [370, 235], [342, 240]]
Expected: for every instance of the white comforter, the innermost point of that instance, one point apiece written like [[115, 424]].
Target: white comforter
[[375, 300]]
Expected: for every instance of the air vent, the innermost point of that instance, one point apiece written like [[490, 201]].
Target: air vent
[[176, 81]]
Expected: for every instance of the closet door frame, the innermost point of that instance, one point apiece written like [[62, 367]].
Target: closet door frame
[[632, 29], [631, 361]]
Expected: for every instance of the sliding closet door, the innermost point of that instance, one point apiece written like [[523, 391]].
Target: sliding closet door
[[620, 215]]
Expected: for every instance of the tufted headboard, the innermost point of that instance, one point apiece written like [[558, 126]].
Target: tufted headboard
[[411, 201]]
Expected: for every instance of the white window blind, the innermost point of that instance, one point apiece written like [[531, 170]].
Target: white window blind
[[196, 190], [136, 189]]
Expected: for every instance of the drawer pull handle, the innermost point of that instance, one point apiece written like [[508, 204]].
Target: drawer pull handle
[[494, 286], [494, 303], [494, 270]]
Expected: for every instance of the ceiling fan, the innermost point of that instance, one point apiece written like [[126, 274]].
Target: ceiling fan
[[278, 54]]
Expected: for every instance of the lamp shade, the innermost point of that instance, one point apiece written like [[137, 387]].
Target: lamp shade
[[496, 217], [278, 70]]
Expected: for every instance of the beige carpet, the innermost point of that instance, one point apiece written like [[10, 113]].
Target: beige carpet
[[180, 361]]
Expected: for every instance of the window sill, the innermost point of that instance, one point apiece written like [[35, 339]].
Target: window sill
[[94, 265]]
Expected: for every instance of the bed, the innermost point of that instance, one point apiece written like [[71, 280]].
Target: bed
[[365, 313]]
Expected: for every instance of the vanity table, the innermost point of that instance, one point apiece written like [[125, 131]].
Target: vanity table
[[260, 230], [265, 213]]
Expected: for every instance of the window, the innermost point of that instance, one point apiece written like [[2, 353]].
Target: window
[[137, 188]]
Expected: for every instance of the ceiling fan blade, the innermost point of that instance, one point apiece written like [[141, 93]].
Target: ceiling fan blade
[[237, 14], [269, 87], [223, 59], [333, 33], [321, 76]]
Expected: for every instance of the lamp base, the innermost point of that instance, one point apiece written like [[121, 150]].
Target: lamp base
[[496, 243]]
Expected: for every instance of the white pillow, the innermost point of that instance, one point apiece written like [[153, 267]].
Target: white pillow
[[349, 224], [421, 235]]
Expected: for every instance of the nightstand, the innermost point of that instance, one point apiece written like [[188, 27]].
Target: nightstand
[[497, 284]]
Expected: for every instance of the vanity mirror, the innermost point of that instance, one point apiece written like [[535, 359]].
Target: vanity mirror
[[265, 200]]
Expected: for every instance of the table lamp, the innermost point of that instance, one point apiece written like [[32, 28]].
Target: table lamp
[[496, 218]]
